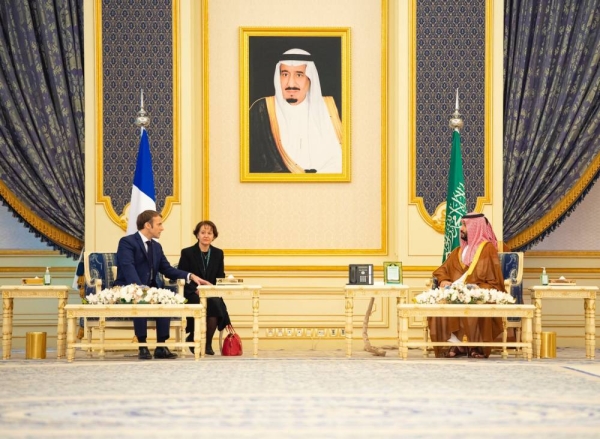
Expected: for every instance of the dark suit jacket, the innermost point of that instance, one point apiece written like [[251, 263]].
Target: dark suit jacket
[[133, 265], [191, 260]]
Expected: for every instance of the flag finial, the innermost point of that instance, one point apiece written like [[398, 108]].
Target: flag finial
[[456, 122], [142, 120], [456, 108]]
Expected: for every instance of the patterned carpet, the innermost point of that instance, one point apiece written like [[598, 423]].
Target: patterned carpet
[[301, 394]]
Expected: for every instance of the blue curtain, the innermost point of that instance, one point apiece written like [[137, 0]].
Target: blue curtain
[[42, 118], [551, 113]]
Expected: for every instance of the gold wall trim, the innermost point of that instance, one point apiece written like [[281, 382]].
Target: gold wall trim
[[29, 253], [51, 232], [121, 219], [318, 268], [563, 254], [541, 225], [558, 271], [488, 123], [384, 165], [37, 270], [384, 124], [206, 111]]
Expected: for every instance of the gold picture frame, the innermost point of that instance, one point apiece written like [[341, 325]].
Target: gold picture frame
[[263, 156], [392, 272]]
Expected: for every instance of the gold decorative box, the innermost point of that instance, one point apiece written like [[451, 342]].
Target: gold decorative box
[[562, 281], [229, 280], [32, 281]]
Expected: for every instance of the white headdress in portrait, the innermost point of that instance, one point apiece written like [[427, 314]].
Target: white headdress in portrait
[[307, 132]]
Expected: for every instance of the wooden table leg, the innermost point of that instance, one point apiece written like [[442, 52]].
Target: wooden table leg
[[592, 312], [398, 302], [425, 338], [70, 339], [197, 343], [537, 330], [527, 337], [589, 306], [7, 313], [349, 318], [202, 326], [403, 338], [504, 337], [255, 305], [399, 332], [102, 331], [61, 328]]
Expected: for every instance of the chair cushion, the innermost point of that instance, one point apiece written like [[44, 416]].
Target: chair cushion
[[100, 267], [510, 269]]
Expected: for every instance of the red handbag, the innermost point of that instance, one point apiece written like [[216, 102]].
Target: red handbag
[[232, 345]]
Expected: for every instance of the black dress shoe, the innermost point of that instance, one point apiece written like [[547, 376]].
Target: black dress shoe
[[144, 354], [209, 351], [164, 353]]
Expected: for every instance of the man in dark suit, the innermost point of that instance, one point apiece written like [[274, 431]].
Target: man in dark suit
[[139, 259]]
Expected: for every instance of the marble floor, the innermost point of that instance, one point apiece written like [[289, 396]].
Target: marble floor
[[299, 394]]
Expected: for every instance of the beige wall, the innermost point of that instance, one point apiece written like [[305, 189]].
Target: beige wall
[[303, 271], [316, 218]]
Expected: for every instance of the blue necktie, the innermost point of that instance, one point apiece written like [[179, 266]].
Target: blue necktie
[[151, 261]]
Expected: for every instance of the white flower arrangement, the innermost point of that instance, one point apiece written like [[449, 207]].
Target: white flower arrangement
[[135, 294], [463, 294]]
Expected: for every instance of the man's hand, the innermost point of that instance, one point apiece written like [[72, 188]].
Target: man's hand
[[199, 280], [445, 283]]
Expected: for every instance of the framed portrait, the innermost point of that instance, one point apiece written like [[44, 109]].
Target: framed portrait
[[295, 104]]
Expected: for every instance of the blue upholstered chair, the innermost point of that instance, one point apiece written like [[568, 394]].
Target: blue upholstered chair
[[512, 270], [101, 272]]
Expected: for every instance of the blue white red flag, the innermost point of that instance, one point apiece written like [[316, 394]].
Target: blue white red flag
[[142, 193]]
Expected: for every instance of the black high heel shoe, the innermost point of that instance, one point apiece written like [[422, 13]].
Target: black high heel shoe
[[209, 350]]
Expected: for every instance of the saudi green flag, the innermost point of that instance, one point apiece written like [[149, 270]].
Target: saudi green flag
[[456, 201]]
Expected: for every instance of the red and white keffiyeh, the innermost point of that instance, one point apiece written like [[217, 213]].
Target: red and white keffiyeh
[[478, 230]]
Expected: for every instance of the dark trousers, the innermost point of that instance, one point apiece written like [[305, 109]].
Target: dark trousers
[[140, 327]]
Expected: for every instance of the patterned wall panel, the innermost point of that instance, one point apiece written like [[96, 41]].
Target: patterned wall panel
[[137, 53], [450, 54]]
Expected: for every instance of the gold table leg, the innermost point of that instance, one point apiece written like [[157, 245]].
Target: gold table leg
[[255, 305], [60, 332], [527, 337], [537, 330], [198, 343], [70, 339], [403, 338], [7, 314], [202, 326], [589, 306]]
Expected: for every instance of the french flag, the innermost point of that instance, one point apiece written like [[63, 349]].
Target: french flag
[[142, 192]]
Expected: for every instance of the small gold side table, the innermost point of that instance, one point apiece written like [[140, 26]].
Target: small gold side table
[[588, 294], [11, 292]]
